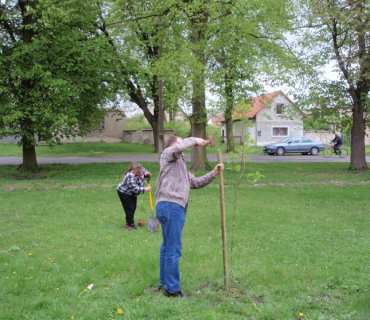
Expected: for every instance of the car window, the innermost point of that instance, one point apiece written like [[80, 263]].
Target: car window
[[306, 140], [296, 140]]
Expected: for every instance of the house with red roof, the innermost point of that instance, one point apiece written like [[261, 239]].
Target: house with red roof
[[271, 117]]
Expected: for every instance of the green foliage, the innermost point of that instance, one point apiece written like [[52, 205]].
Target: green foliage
[[310, 123], [137, 122], [55, 69], [245, 32], [149, 38], [182, 128]]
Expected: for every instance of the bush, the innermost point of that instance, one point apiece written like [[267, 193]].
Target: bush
[[182, 128], [137, 122]]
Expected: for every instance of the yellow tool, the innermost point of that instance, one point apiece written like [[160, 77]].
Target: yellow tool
[[152, 225]]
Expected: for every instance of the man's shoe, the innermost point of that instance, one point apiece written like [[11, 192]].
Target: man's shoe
[[175, 294]]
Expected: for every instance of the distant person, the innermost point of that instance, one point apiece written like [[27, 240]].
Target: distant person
[[172, 197], [129, 188], [337, 143]]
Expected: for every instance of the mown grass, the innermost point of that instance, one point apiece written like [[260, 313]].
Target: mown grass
[[97, 149], [301, 244], [102, 149], [93, 149]]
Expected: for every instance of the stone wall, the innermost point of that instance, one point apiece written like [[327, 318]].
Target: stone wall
[[327, 136], [94, 136], [111, 130], [143, 136], [324, 136], [10, 140]]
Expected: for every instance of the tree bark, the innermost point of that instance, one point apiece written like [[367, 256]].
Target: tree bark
[[160, 117], [230, 135], [28, 140], [198, 154], [198, 20], [229, 115], [358, 159], [29, 156], [199, 122], [171, 116]]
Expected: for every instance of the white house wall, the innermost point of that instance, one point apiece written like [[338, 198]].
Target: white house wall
[[267, 119]]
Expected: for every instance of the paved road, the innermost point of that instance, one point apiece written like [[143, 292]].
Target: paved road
[[154, 158]]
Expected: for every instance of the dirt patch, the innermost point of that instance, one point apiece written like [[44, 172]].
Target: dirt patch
[[189, 294], [37, 175], [258, 299], [154, 290], [208, 285]]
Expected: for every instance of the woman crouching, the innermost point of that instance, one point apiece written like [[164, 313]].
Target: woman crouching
[[131, 186]]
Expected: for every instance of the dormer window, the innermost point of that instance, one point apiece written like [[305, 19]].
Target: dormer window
[[279, 110]]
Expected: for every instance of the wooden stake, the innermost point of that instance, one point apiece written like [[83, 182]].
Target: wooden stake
[[223, 223]]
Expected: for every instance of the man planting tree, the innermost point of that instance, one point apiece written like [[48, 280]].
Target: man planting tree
[[172, 196]]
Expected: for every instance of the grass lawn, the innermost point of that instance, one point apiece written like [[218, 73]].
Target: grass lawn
[[96, 149], [301, 244], [102, 149]]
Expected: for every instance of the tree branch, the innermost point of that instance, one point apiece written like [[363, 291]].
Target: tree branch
[[164, 13], [334, 32], [135, 93], [6, 24]]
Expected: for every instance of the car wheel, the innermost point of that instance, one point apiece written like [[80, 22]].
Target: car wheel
[[271, 154], [280, 151], [314, 151], [304, 153]]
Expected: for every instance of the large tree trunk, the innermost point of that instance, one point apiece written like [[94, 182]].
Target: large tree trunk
[[230, 135], [155, 135], [160, 117], [28, 142], [155, 117], [358, 159], [198, 154], [199, 20], [199, 121], [29, 156], [171, 116], [229, 115]]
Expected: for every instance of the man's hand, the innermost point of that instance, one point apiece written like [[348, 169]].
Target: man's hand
[[201, 142], [147, 174], [147, 189], [217, 168]]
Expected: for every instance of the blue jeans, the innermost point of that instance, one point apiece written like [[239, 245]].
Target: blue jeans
[[172, 219]]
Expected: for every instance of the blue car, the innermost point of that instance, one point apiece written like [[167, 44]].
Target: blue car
[[304, 145]]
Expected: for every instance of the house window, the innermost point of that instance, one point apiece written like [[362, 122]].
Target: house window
[[279, 108], [102, 124], [280, 131]]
